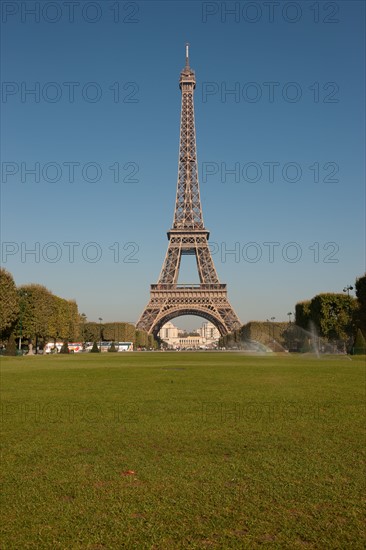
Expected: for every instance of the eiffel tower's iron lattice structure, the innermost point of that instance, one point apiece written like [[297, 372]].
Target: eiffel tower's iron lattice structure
[[168, 299]]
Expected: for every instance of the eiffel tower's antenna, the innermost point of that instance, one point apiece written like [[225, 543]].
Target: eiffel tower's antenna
[[187, 55], [188, 236]]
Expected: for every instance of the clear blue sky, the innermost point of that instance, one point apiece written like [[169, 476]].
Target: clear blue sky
[[294, 132]]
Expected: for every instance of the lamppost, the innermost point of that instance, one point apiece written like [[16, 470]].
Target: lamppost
[[347, 289], [272, 319], [100, 333], [83, 317], [22, 294], [269, 328], [289, 331]]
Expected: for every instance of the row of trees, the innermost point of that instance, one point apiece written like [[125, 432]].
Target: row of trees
[[337, 316], [333, 315], [35, 315], [115, 332], [32, 313], [337, 320]]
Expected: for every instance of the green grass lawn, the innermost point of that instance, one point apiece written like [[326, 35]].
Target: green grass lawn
[[182, 450]]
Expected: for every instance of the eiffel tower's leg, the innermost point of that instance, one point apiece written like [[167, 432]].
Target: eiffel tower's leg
[[170, 271], [148, 317], [205, 265]]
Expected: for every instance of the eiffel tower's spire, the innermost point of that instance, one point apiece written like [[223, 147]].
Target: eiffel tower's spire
[[187, 76]]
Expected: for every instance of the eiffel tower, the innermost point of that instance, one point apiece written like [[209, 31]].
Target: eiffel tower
[[168, 299]]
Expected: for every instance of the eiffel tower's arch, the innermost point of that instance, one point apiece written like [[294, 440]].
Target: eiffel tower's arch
[[199, 312]]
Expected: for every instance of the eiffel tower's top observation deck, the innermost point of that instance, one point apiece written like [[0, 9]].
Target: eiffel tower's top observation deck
[[187, 76]]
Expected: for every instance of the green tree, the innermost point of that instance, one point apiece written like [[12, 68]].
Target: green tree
[[302, 314], [37, 311], [73, 329], [82, 322], [58, 326], [64, 348], [333, 315], [112, 348], [119, 332], [152, 342], [361, 290], [141, 338], [360, 313], [92, 331], [359, 347], [110, 331], [11, 348], [9, 303], [95, 348], [129, 333]]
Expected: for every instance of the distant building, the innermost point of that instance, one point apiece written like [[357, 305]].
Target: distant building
[[209, 332], [206, 337], [169, 332]]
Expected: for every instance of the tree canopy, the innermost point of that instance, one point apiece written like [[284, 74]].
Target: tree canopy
[[46, 316], [36, 314], [360, 314], [9, 303]]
